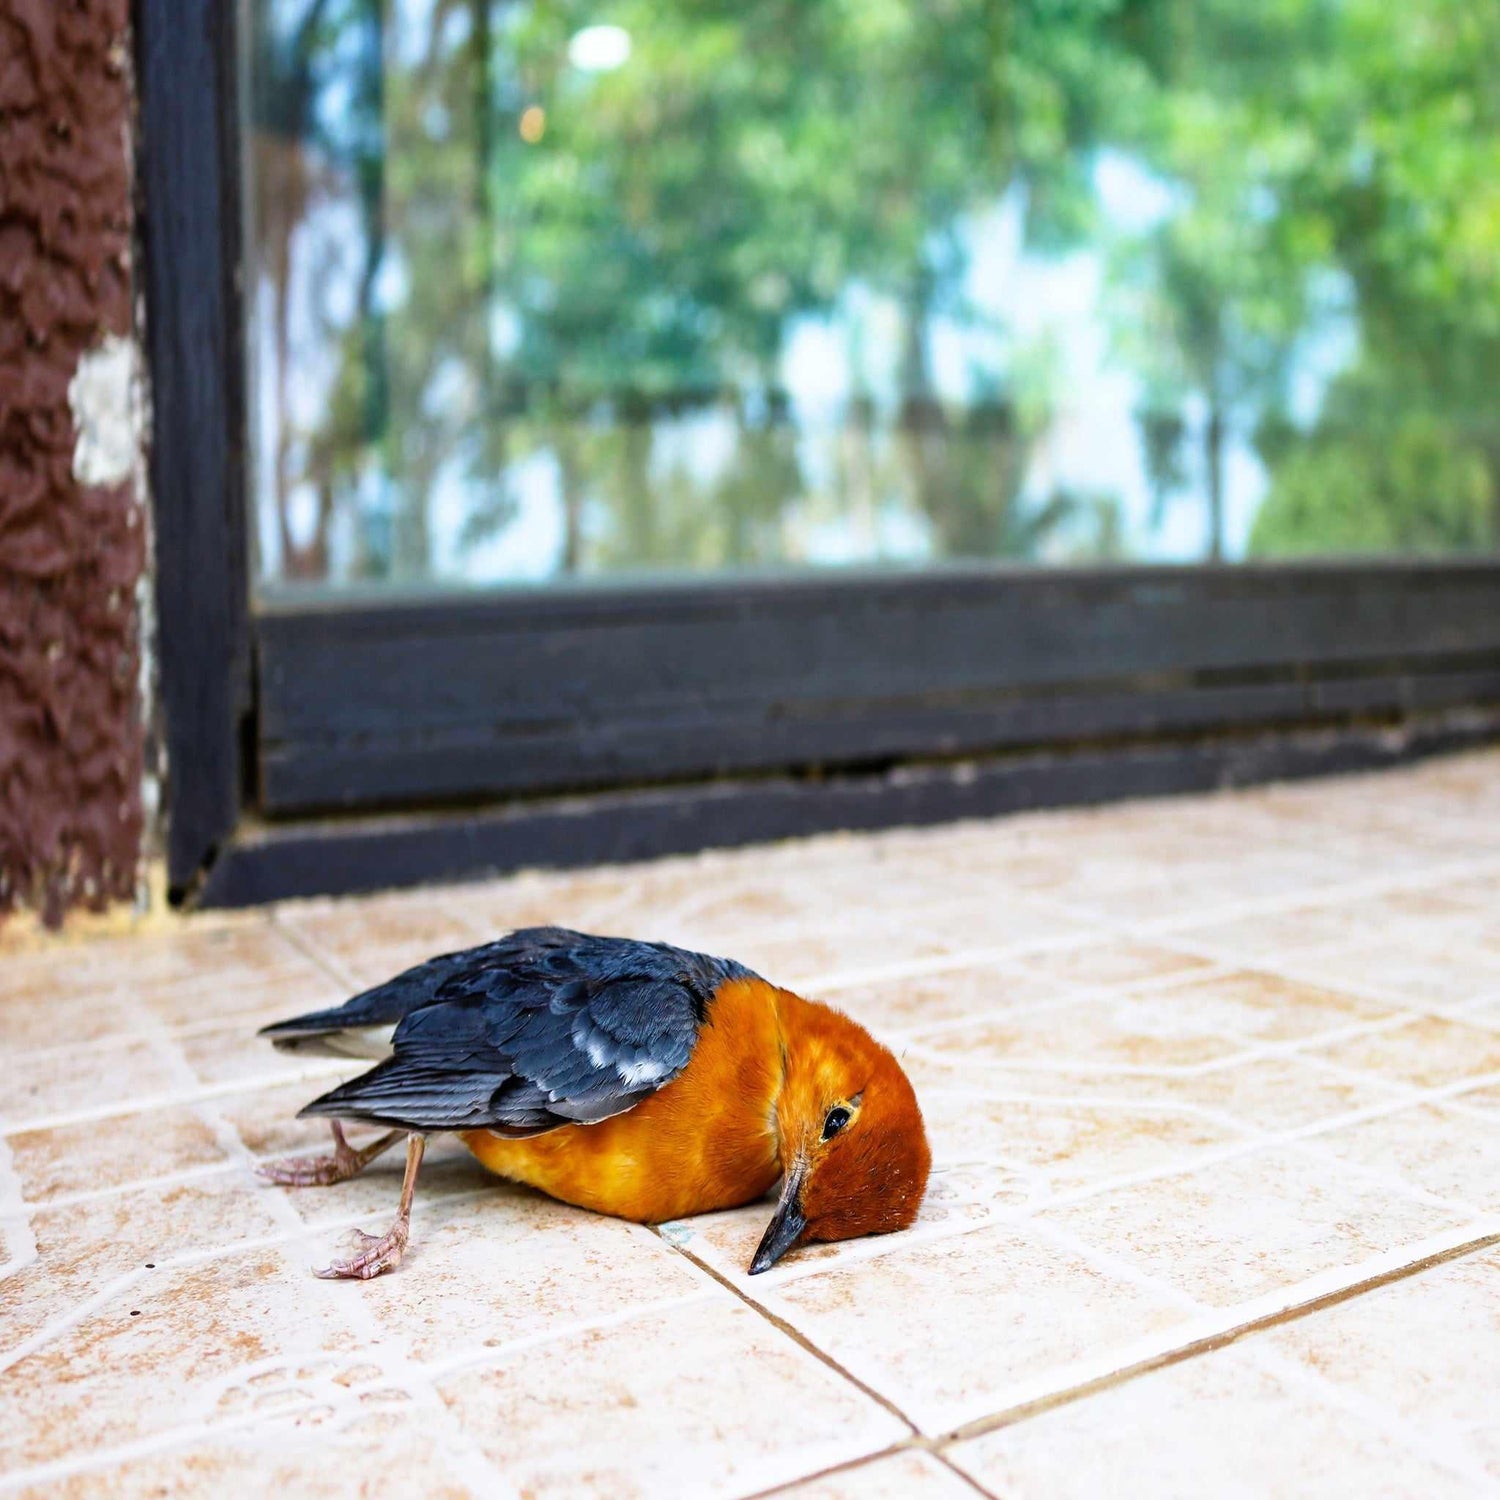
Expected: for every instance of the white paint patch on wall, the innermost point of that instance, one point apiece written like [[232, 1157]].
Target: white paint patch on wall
[[108, 413], [111, 417]]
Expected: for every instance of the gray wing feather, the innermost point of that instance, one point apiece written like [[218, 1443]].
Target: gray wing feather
[[546, 1027]]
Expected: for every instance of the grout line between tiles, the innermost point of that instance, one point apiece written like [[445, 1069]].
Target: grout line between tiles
[[311, 951], [1267, 1140], [1288, 965], [485, 1355], [1157, 928], [1216, 1329], [345, 1407], [1032, 1211], [462, 1451], [312, 1072], [75, 1314], [796, 1336], [55, 1470], [916, 1444], [1249, 1052], [1379, 1419], [15, 1216], [199, 1255], [941, 1455], [849, 1465], [1071, 993]]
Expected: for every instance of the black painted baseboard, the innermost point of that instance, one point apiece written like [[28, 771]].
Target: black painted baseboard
[[349, 855]]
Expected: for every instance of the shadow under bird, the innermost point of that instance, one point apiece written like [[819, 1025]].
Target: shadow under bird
[[630, 1078]]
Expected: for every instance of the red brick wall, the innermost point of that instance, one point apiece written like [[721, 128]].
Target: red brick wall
[[73, 529]]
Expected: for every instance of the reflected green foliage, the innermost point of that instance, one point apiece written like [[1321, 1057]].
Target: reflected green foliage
[[1378, 473], [496, 290], [1400, 180]]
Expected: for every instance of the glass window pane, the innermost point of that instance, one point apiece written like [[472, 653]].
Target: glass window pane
[[543, 291]]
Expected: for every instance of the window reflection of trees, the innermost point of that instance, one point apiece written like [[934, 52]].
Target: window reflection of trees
[[516, 316]]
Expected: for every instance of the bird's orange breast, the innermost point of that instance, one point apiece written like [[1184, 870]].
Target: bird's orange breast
[[706, 1140]]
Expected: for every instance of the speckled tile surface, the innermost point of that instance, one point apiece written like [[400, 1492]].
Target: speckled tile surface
[[1213, 1088]]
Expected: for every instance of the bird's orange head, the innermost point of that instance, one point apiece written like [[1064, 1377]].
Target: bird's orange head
[[854, 1153]]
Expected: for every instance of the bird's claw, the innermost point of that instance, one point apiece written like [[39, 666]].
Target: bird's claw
[[375, 1255], [340, 1165], [307, 1171]]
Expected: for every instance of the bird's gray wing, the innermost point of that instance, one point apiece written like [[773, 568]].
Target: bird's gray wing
[[546, 1028]]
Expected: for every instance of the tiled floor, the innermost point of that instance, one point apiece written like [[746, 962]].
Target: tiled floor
[[1214, 1093]]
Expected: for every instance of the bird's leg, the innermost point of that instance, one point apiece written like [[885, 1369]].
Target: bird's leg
[[383, 1253], [322, 1171]]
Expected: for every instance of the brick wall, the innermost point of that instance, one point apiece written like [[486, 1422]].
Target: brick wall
[[73, 525]]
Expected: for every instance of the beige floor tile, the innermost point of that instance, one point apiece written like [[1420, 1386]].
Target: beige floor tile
[[677, 899], [971, 1324], [1057, 1147], [86, 1246], [1485, 939], [912, 1006], [1406, 836], [1407, 970], [1485, 1099], [1185, 893], [116, 1072], [233, 1054], [492, 910], [113, 1153], [1123, 1034], [56, 1014], [1124, 992], [1219, 1424], [1113, 964], [708, 908], [307, 1455], [265, 1118], [370, 1199], [1249, 1226], [513, 1264], [1428, 1053], [1263, 1093], [372, 941], [703, 1399], [246, 998], [1484, 1013], [1413, 912], [1260, 1007], [957, 1198], [1417, 1346], [1434, 1148], [912, 1473], [192, 1338], [856, 945], [1279, 1093], [177, 953], [266, 1124]]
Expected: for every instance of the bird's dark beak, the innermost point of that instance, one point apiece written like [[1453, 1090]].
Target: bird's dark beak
[[786, 1225]]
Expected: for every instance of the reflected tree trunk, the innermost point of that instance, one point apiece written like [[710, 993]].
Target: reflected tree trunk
[[1214, 430], [570, 482], [370, 171], [284, 179], [920, 419]]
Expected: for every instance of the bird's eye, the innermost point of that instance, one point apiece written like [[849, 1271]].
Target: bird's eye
[[834, 1121]]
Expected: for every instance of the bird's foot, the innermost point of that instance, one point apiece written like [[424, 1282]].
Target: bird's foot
[[323, 1171], [374, 1254]]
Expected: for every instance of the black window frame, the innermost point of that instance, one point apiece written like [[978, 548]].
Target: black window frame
[[347, 745]]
